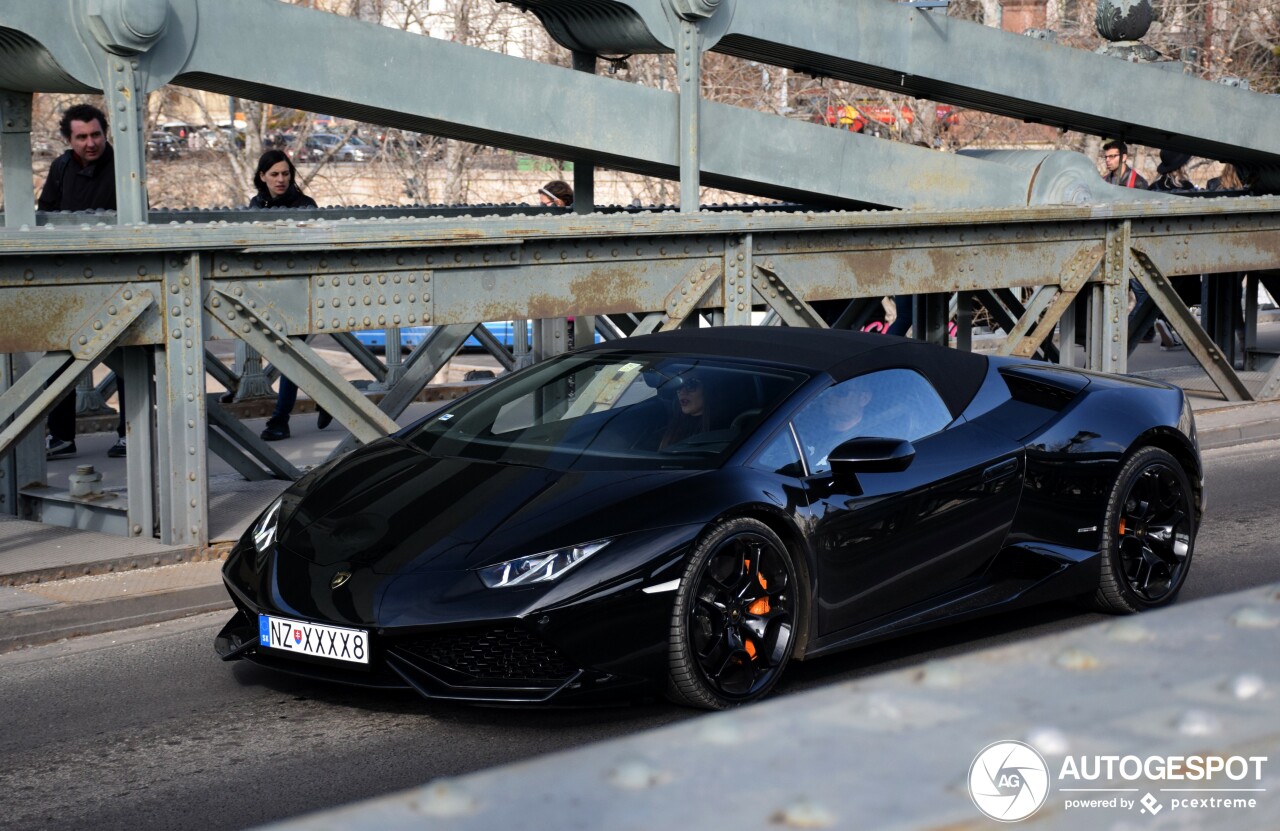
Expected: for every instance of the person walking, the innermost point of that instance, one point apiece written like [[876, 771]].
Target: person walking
[[82, 179], [276, 181]]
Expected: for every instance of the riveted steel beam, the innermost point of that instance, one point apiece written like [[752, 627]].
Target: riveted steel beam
[[181, 421], [15, 155], [738, 270], [1110, 352]]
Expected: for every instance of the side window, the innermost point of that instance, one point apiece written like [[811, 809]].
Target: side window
[[780, 455], [891, 403]]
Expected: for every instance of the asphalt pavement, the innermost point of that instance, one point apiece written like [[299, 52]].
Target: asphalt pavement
[[57, 584]]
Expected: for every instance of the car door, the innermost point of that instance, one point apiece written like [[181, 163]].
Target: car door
[[887, 541]]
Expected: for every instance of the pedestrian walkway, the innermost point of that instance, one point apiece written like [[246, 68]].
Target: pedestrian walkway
[[57, 583]]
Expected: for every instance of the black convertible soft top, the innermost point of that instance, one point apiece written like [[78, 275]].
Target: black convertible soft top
[[840, 353]]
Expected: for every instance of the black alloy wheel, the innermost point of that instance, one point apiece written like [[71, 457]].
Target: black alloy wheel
[[735, 617], [1149, 534]]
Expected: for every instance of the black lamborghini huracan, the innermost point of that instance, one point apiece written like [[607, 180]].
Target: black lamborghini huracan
[[689, 511]]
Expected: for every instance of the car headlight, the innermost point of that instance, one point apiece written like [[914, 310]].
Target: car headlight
[[264, 531], [538, 568]]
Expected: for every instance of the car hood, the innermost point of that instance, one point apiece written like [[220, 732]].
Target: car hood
[[390, 508]]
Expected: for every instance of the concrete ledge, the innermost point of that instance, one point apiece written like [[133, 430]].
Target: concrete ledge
[[898, 751], [44, 625], [1238, 424], [172, 556]]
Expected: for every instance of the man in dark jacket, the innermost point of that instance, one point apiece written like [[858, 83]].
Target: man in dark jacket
[[81, 179], [1115, 155]]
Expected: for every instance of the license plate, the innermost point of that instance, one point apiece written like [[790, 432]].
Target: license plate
[[314, 639]]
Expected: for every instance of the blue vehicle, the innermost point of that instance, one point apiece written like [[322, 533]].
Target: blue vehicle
[[411, 336]]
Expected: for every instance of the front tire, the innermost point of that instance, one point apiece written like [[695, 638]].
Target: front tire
[[735, 617], [1149, 534]]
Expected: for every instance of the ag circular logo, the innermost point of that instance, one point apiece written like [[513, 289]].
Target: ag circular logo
[[1009, 781]]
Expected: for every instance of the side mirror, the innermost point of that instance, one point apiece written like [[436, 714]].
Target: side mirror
[[871, 454]]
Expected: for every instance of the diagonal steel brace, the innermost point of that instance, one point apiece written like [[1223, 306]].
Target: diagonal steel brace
[[793, 310], [1050, 303], [231, 306], [427, 359], [681, 301], [1197, 341], [26, 403]]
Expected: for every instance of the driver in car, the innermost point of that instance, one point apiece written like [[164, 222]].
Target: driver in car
[[838, 414]]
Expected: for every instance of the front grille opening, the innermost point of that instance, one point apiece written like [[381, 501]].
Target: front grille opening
[[502, 654]]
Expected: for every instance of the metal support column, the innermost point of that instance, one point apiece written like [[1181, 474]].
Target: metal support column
[[930, 324], [964, 321], [27, 462], [253, 382], [689, 71], [137, 364], [394, 360], [181, 436], [126, 104], [1112, 302], [584, 173], [738, 267], [15, 158]]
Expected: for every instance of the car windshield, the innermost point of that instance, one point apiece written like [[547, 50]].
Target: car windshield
[[611, 410]]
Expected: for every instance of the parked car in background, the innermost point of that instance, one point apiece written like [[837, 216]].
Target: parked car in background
[[164, 146], [322, 145], [411, 336]]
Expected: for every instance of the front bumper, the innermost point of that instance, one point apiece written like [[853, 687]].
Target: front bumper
[[502, 663]]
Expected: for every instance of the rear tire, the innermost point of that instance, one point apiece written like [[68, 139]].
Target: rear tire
[[1149, 535], [734, 624]]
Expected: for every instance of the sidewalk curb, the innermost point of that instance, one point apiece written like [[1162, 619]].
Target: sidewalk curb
[[46, 625], [190, 554], [1222, 427]]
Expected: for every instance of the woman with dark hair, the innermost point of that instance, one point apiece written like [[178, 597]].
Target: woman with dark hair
[[556, 194], [276, 181], [692, 411]]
